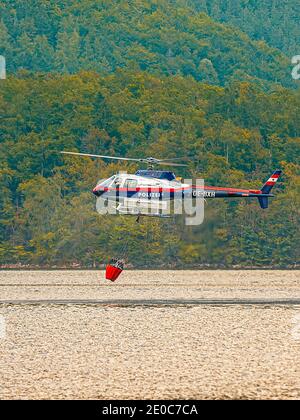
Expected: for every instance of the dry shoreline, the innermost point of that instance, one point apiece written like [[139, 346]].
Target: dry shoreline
[[150, 352]]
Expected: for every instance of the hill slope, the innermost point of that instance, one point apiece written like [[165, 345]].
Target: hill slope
[[159, 36], [275, 21]]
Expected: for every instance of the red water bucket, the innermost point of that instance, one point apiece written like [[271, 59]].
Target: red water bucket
[[112, 272]]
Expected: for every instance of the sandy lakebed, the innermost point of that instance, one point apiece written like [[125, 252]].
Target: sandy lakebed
[[152, 334]]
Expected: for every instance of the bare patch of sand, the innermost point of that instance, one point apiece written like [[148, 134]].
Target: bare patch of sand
[[150, 352]]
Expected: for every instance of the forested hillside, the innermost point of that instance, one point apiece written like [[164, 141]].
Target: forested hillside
[[235, 136], [148, 77], [161, 36], [276, 22]]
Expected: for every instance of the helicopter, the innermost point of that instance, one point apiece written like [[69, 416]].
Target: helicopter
[[149, 191]]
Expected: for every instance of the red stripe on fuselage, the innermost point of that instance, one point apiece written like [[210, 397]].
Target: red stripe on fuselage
[[172, 190], [222, 189]]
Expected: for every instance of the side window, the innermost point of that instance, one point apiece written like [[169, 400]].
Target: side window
[[130, 184]]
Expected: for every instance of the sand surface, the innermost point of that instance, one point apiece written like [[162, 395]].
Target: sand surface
[[111, 351]]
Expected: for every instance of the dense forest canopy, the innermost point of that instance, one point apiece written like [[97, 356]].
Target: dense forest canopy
[[146, 78], [276, 22], [161, 36]]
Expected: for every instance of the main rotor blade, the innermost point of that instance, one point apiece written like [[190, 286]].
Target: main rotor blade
[[142, 160], [100, 156], [170, 163], [175, 158]]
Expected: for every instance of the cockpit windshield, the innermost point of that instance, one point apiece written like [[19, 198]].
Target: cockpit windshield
[[106, 182]]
